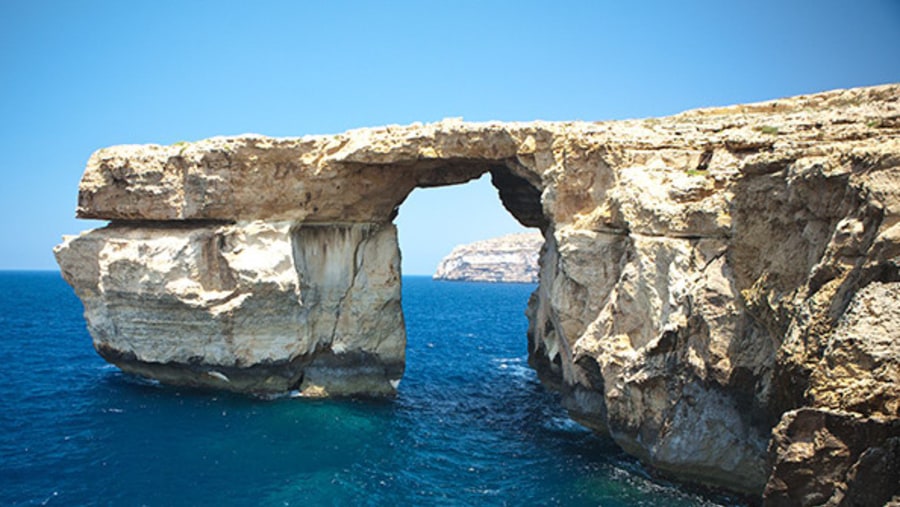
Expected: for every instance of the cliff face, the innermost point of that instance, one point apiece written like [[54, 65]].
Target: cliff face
[[718, 289], [510, 258]]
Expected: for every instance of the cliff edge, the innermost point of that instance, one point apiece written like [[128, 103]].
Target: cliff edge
[[512, 259], [719, 290]]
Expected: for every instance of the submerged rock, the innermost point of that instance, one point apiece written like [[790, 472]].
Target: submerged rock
[[510, 258], [705, 278]]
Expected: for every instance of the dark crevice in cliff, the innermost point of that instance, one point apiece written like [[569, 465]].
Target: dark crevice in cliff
[[175, 224], [888, 272], [519, 197], [668, 235], [215, 274]]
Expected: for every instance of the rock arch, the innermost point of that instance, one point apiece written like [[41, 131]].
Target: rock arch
[[703, 275], [269, 265]]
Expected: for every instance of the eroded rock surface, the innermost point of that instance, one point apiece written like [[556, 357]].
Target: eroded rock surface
[[261, 307], [827, 457], [705, 278], [510, 258]]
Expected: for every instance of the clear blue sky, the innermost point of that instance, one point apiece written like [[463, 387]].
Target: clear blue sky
[[78, 76]]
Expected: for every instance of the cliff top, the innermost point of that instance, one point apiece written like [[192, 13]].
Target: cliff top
[[509, 258], [516, 241]]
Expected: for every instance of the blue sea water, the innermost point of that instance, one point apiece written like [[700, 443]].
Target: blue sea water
[[470, 426]]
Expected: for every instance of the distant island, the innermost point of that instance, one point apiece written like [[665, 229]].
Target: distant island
[[511, 258]]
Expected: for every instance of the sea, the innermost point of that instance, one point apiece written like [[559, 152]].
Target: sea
[[471, 424]]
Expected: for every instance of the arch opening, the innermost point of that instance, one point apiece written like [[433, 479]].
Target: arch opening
[[433, 220]]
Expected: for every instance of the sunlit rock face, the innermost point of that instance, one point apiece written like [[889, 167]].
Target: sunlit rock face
[[261, 307], [703, 276], [510, 259]]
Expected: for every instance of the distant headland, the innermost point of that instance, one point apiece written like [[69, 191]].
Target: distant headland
[[511, 259]]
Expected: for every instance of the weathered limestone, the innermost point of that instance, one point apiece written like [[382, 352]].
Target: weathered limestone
[[261, 307], [511, 258], [827, 457], [706, 278]]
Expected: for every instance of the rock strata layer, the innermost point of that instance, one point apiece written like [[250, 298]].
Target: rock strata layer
[[511, 258], [719, 290]]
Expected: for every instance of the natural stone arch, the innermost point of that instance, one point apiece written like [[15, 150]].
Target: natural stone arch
[[695, 280], [269, 265]]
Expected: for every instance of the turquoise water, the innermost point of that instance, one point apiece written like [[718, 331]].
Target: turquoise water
[[471, 425]]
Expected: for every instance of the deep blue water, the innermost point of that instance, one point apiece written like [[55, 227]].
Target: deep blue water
[[471, 425]]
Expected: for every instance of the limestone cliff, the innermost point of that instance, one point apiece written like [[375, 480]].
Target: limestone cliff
[[718, 289], [510, 258]]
